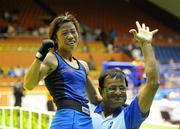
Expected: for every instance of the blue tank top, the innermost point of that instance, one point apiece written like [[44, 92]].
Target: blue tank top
[[67, 82]]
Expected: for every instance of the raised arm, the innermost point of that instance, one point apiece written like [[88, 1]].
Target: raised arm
[[144, 37], [39, 68]]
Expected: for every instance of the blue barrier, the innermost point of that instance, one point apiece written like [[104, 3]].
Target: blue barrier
[[133, 76]]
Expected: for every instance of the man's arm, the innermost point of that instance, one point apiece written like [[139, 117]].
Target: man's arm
[[92, 93], [147, 93]]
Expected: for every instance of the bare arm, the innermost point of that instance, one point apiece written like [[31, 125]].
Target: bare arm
[[147, 93], [37, 71], [41, 65], [92, 93]]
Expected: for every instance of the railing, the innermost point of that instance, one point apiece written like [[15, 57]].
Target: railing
[[21, 118]]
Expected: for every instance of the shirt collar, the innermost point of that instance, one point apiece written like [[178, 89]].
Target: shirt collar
[[99, 110], [117, 111]]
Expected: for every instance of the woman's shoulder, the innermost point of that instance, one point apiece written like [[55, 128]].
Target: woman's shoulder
[[51, 61], [84, 63]]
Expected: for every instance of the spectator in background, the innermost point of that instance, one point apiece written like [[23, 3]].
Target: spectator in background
[[111, 40], [102, 37], [50, 103], [11, 72], [91, 63], [84, 40], [19, 71], [11, 30], [140, 70], [19, 28], [7, 16], [136, 52], [174, 94], [97, 32], [18, 92], [1, 72], [166, 107], [4, 31], [170, 112], [173, 68], [112, 36], [43, 30]]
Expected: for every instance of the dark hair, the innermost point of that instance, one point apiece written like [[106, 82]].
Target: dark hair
[[57, 22], [115, 72]]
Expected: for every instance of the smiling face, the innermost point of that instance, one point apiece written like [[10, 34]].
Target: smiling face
[[67, 37], [114, 92]]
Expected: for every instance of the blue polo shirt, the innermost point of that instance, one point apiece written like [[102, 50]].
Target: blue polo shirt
[[129, 117]]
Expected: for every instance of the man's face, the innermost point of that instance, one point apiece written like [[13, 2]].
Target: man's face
[[67, 37], [114, 92]]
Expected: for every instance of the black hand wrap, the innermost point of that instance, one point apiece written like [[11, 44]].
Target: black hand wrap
[[44, 49]]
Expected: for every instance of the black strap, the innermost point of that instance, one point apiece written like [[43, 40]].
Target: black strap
[[72, 104]]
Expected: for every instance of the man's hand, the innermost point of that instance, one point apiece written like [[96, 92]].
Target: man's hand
[[143, 34], [44, 49]]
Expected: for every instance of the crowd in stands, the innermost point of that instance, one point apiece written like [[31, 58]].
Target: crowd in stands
[[110, 41], [11, 27], [17, 71], [170, 73]]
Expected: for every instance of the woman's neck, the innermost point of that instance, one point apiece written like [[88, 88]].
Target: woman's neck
[[65, 54]]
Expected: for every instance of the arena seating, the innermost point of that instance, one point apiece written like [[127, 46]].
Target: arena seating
[[165, 53], [27, 12], [22, 51], [96, 14]]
